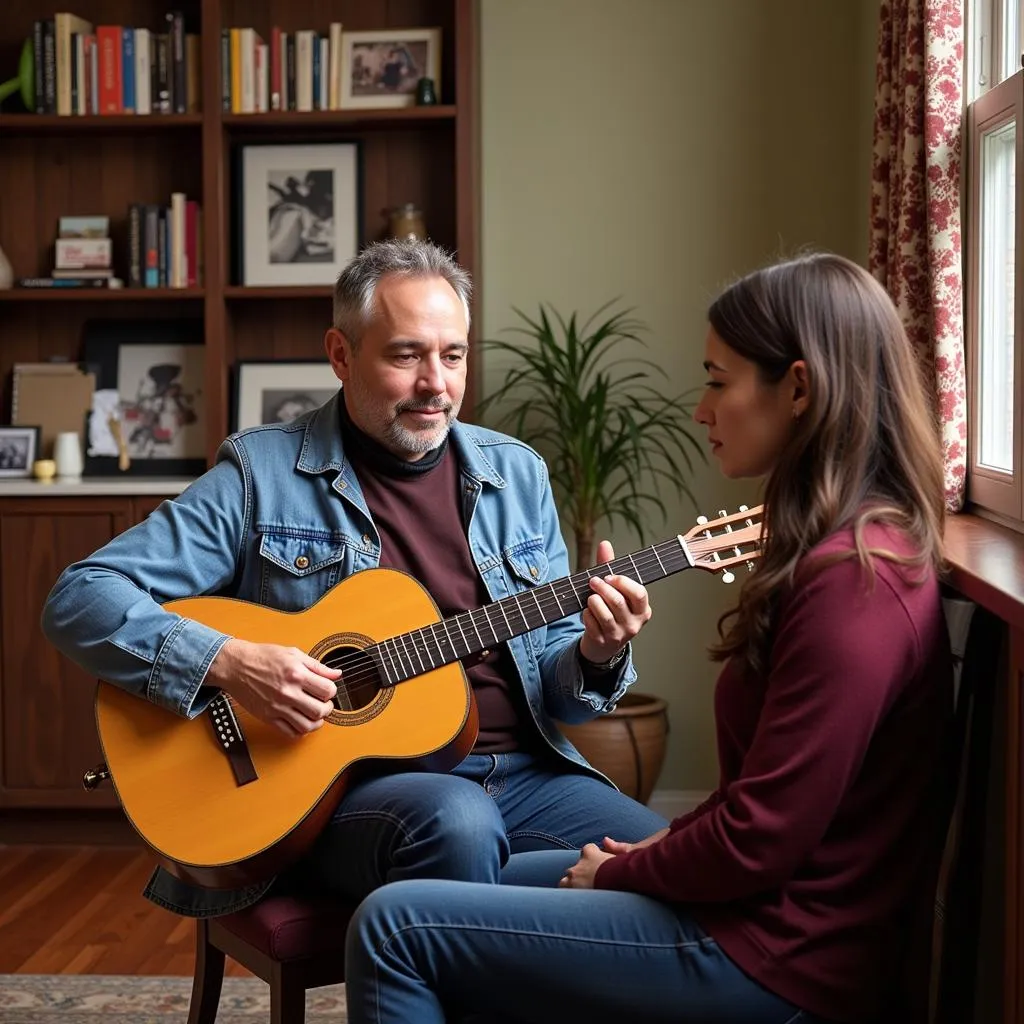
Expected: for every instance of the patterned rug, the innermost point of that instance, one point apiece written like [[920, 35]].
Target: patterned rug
[[113, 999]]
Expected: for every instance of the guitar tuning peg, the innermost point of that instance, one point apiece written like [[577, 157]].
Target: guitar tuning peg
[[727, 576], [743, 508], [750, 566], [702, 520], [722, 513]]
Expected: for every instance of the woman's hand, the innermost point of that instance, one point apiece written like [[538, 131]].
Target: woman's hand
[[614, 846], [581, 874]]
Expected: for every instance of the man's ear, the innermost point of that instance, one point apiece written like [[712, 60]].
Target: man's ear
[[339, 352], [800, 382]]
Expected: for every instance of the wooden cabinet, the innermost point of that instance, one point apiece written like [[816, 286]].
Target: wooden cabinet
[[47, 731]]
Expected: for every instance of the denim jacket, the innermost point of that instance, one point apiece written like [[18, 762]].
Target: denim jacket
[[278, 520]]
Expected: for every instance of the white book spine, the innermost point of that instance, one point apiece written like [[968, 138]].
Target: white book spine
[[179, 272], [262, 77], [247, 44], [304, 69], [334, 64], [143, 101]]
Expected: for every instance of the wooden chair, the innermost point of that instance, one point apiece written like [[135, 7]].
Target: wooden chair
[[939, 983], [288, 940]]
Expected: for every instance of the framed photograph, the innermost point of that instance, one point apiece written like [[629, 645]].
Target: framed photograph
[[298, 222], [381, 68], [18, 450], [275, 392], [149, 403]]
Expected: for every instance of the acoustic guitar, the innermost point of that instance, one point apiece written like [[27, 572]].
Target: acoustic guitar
[[225, 800]]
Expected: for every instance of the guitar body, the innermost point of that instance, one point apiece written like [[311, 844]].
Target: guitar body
[[175, 781]]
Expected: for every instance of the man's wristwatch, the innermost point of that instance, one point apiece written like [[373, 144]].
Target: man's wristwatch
[[604, 666]]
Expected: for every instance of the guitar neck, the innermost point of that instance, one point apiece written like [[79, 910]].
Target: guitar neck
[[452, 639]]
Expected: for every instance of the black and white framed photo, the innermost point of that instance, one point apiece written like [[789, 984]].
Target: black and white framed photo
[[299, 216], [18, 448], [272, 391], [382, 68], [148, 414]]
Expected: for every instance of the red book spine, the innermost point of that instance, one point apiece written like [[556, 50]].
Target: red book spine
[[108, 45]]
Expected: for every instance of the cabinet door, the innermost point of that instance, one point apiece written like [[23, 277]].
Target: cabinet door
[[48, 733]]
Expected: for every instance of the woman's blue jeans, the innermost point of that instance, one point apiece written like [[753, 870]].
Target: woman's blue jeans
[[435, 951], [464, 825]]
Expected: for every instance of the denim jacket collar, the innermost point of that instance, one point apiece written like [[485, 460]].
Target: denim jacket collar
[[322, 448]]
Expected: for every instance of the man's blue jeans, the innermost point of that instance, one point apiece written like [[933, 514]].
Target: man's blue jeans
[[436, 951], [464, 825]]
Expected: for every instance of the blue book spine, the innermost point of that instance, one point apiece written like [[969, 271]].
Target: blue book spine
[[128, 70], [317, 71]]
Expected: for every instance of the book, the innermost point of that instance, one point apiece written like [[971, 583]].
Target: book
[[64, 25], [83, 227], [66, 282], [81, 253]]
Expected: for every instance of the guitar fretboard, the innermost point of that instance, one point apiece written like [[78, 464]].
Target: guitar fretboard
[[411, 654]]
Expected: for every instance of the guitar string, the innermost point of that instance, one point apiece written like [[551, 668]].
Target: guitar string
[[640, 561]]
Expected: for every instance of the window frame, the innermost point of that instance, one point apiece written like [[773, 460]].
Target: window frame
[[995, 104]]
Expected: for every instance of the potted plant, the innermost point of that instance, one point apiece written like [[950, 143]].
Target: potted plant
[[579, 394]]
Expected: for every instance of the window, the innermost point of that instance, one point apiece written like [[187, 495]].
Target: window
[[994, 231]]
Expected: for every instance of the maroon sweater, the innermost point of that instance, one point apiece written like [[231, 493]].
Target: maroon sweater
[[803, 863]]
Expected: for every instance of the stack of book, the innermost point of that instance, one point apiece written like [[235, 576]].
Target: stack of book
[[294, 71], [82, 256], [115, 69], [164, 244]]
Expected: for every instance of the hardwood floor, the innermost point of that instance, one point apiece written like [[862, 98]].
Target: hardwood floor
[[80, 910]]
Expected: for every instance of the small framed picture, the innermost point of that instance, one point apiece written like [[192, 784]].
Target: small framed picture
[[382, 68], [148, 414], [18, 448], [299, 217], [276, 392]]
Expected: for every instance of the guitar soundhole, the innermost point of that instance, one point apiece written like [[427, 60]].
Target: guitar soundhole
[[360, 681]]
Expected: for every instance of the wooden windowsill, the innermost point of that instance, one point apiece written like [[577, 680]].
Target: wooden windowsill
[[986, 563]]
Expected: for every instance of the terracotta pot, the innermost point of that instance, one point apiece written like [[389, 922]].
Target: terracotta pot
[[628, 745]]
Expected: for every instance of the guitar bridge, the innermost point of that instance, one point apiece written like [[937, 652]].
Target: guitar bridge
[[231, 739]]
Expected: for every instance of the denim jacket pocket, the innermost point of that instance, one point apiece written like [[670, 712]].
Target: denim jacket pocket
[[527, 567], [297, 567]]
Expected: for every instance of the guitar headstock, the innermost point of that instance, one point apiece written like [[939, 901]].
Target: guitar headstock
[[721, 544]]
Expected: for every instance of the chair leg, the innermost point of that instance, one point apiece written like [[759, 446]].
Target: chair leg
[[287, 995], [209, 976]]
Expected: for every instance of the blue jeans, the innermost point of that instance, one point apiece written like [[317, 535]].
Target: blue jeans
[[431, 951], [464, 825]]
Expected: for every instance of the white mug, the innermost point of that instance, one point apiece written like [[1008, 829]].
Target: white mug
[[67, 453]]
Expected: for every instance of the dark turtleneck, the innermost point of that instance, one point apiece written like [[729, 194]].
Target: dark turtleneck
[[416, 507]]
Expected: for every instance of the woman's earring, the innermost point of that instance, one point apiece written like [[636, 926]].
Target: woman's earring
[[796, 414]]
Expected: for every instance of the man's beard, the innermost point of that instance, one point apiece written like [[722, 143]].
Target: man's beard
[[400, 439], [384, 425]]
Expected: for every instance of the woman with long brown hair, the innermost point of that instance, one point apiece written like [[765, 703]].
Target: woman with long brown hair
[[788, 895]]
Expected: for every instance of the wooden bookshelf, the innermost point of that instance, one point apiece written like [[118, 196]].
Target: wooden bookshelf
[[52, 166]]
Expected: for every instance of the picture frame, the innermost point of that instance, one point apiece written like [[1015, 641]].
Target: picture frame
[[275, 391], [381, 68], [299, 216], [150, 378], [19, 449]]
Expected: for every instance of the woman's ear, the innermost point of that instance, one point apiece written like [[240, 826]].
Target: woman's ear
[[801, 390]]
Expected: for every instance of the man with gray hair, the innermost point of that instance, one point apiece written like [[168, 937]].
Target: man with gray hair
[[383, 474]]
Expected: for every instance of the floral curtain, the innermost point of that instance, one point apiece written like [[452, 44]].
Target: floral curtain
[[915, 200]]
